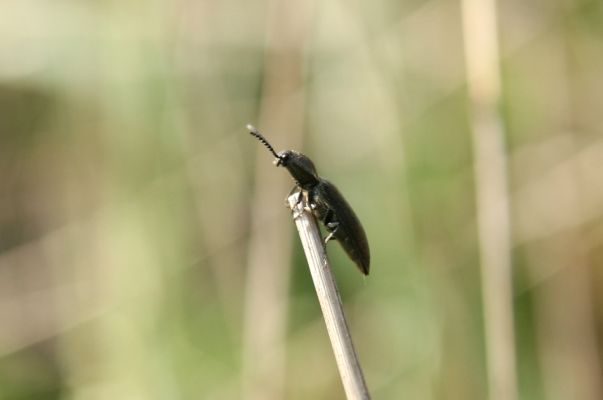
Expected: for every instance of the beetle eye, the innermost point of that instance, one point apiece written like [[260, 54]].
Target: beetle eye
[[282, 158]]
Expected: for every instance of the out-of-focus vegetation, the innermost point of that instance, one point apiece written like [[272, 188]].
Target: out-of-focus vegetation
[[129, 195]]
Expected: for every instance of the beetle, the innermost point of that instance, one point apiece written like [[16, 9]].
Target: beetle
[[326, 203]]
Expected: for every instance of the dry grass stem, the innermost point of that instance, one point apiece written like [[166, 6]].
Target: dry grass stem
[[330, 302]]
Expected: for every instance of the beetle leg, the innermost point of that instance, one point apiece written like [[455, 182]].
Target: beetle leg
[[300, 197], [332, 226], [311, 203], [299, 194]]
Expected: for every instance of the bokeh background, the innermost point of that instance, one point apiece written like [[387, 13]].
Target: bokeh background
[[145, 249]]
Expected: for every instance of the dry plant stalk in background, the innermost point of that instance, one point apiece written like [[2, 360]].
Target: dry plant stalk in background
[[493, 216], [266, 293]]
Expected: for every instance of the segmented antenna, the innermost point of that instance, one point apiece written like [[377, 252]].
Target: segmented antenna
[[257, 134]]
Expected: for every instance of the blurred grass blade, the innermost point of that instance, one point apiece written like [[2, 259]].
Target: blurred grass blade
[[490, 168]]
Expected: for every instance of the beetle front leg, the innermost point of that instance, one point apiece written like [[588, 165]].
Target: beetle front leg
[[299, 194]]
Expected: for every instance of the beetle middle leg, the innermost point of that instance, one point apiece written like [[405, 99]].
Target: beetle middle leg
[[331, 224]]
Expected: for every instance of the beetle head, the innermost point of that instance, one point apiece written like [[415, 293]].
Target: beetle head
[[300, 167]]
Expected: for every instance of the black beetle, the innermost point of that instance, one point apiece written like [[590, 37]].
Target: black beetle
[[326, 202]]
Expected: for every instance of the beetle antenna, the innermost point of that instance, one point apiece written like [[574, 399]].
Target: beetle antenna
[[253, 131]]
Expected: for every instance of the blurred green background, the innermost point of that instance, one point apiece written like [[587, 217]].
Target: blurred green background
[[145, 250]]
